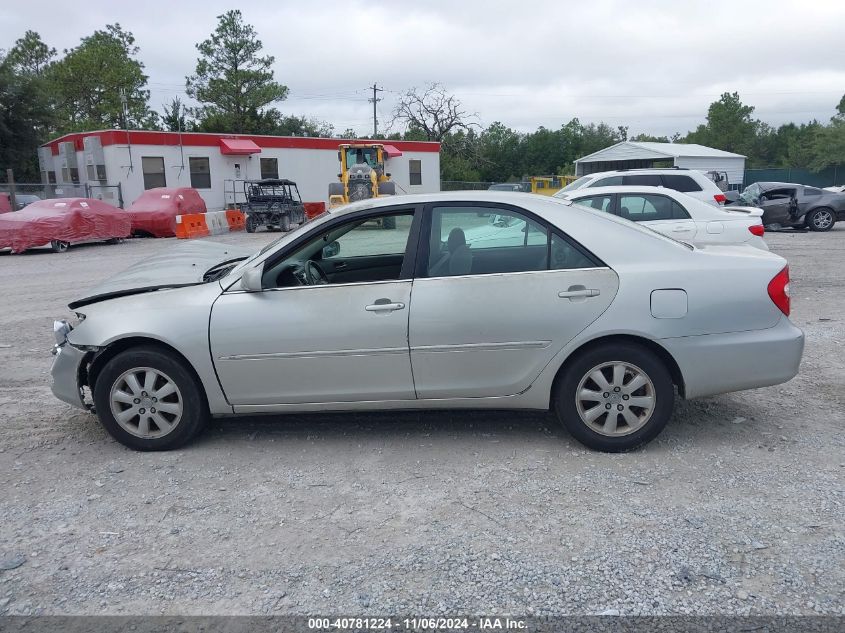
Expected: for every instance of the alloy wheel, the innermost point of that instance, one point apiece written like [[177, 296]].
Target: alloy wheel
[[146, 402], [615, 398]]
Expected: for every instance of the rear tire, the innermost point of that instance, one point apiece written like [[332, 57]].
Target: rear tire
[[820, 220], [59, 246], [130, 387], [615, 414], [251, 223], [284, 223]]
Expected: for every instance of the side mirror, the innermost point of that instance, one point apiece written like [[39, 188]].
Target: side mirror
[[388, 175], [330, 250], [251, 281]]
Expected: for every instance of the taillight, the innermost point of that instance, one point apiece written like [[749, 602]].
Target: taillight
[[757, 229], [720, 198], [779, 290]]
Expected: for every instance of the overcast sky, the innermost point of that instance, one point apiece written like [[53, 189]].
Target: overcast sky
[[651, 65]]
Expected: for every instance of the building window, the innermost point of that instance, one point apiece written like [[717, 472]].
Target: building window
[[200, 173], [51, 177], [153, 168], [415, 169], [269, 168], [74, 175], [101, 172]]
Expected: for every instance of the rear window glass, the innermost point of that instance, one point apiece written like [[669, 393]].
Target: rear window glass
[[809, 191], [643, 180], [610, 181], [680, 183]]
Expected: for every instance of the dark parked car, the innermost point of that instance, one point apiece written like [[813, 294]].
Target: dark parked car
[[525, 187], [799, 206]]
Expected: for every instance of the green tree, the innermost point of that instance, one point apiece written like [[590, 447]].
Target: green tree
[[828, 147], [100, 84], [30, 55], [729, 126], [25, 113], [174, 116], [233, 82], [303, 126]]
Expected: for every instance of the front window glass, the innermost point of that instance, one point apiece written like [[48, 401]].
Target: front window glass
[[362, 250]]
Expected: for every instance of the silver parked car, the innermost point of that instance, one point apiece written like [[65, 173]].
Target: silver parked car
[[475, 300]]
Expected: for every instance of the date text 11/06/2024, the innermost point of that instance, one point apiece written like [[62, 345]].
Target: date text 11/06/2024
[[417, 624]]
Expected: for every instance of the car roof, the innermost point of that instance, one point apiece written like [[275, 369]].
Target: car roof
[[649, 170], [777, 185]]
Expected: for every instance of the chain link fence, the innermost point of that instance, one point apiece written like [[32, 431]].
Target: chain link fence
[[825, 178], [462, 185], [26, 193]]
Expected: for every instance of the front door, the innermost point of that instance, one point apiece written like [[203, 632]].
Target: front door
[[497, 296], [311, 336]]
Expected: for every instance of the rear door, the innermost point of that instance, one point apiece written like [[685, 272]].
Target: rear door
[[658, 212], [496, 296]]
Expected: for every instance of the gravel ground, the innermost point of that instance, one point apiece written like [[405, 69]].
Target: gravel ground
[[736, 509]]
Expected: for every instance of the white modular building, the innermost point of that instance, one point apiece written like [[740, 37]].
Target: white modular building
[[634, 155], [215, 164]]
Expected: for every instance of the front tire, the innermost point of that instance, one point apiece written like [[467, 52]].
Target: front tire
[[251, 223], [820, 220], [149, 401], [284, 223], [59, 246], [615, 397]]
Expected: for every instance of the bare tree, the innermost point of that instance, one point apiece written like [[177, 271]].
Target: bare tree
[[433, 112]]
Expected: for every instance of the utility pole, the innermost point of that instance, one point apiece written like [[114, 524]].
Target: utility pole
[[374, 101]]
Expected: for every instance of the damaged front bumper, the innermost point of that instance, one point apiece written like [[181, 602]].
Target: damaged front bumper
[[69, 367]]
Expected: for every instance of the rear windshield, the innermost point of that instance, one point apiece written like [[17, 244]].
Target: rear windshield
[[577, 184]]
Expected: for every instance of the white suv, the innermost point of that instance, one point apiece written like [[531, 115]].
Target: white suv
[[689, 181]]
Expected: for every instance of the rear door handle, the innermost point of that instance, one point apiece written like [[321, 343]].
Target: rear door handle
[[387, 306], [583, 292], [681, 229], [340, 265]]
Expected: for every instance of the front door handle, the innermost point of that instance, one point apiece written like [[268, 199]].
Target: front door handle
[[579, 292], [384, 305]]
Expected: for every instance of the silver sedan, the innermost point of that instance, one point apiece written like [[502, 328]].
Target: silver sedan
[[474, 300]]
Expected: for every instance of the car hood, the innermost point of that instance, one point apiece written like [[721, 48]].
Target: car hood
[[182, 265]]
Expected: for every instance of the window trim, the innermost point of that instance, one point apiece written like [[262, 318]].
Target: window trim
[[424, 245], [163, 171], [261, 160], [191, 172], [412, 173]]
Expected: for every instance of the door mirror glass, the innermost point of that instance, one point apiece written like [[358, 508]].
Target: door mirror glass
[[251, 281], [330, 250]]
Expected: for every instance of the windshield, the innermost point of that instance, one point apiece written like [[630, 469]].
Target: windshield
[[358, 155], [751, 194], [577, 184]]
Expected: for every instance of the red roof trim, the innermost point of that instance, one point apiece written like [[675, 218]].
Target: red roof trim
[[197, 139]]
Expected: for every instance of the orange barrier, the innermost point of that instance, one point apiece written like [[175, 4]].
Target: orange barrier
[[236, 220], [191, 225]]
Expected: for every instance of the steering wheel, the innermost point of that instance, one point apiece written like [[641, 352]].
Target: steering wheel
[[314, 274]]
